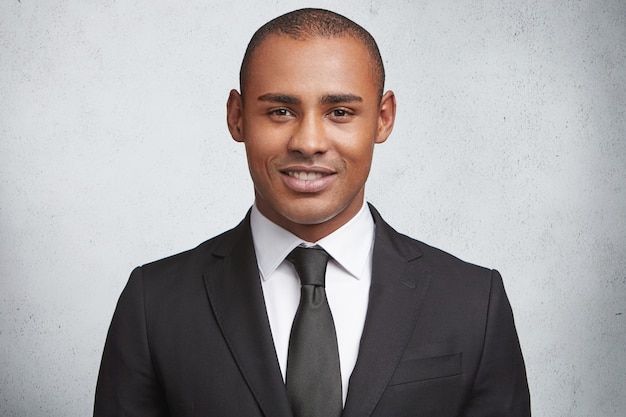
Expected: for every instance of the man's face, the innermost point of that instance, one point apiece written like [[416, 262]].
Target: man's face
[[309, 118]]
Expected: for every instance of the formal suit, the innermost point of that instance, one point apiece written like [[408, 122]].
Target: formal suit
[[190, 337]]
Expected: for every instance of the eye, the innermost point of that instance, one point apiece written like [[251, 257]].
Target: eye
[[281, 112], [340, 115]]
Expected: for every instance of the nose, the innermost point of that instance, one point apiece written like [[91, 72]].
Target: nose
[[309, 136]]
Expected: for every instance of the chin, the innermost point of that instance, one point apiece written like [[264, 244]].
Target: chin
[[312, 219], [311, 215]]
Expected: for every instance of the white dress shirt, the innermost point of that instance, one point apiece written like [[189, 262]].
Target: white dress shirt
[[348, 278]]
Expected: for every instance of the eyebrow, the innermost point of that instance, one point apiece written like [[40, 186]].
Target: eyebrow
[[340, 98], [326, 99], [279, 98]]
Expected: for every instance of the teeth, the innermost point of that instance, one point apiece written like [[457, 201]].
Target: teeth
[[306, 176]]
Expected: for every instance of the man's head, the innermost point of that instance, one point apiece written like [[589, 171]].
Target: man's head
[[306, 24], [310, 112]]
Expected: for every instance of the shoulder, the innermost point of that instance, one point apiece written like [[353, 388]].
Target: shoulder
[[193, 262], [437, 263], [441, 260]]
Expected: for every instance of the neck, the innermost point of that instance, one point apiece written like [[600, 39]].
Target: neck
[[313, 232]]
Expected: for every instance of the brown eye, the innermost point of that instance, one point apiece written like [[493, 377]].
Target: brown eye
[[280, 113], [340, 115]]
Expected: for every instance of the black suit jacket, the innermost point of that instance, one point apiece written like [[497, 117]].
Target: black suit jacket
[[190, 337]]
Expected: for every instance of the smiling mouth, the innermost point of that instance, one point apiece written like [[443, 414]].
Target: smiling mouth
[[304, 175], [308, 180]]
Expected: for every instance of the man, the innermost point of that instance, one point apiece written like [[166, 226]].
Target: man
[[408, 330]]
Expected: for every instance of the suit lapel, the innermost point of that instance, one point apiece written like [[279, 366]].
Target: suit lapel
[[397, 292], [236, 297]]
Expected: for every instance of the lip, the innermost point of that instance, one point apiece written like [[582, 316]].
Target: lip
[[307, 179]]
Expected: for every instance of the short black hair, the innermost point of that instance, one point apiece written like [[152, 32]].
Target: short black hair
[[307, 23]]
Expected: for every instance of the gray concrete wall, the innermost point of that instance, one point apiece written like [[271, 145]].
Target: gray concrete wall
[[509, 151]]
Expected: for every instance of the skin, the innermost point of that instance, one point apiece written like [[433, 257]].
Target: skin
[[311, 110]]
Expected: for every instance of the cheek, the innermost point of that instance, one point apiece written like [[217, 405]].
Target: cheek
[[356, 141], [261, 166], [256, 160], [358, 153], [263, 143]]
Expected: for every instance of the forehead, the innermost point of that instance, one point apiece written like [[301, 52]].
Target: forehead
[[336, 63]]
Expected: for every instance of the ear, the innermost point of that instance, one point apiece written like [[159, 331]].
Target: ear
[[386, 116], [234, 115]]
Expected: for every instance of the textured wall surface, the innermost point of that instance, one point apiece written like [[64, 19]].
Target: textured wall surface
[[509, 151]]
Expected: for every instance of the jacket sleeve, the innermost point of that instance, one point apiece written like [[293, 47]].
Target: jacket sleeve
[[127, 383], [500, 388]]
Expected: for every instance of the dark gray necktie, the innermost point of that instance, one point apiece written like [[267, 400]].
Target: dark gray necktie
[[313, 374]]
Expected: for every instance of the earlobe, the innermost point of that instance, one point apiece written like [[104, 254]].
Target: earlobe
[[234, 112], [386, 116]]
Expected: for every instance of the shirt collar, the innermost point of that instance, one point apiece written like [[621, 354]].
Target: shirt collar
[[350, 245]]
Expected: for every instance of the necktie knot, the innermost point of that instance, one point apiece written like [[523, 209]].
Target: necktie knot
[[310, 264]]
